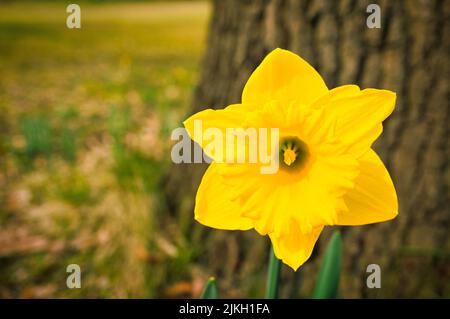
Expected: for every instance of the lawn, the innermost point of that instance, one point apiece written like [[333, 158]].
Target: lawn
[[85, 120]]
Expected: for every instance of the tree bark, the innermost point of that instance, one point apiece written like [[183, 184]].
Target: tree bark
[[408, 55]]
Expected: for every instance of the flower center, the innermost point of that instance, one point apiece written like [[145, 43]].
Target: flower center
[[293, 152]]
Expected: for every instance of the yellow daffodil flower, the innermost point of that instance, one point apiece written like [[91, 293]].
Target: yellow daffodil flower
[[328, 173]]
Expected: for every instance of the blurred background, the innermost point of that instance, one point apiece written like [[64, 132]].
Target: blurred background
[[85, 122]]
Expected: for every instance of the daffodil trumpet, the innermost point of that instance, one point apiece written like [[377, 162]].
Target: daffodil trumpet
[[328, 172]]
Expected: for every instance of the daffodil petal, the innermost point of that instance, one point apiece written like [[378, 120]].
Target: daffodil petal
[[215, 123], [359, 115], [294, 247], [213, 204], [265, 215], [373, 198], [286, 77]]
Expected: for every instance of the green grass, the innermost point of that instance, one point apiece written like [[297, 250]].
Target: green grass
[[85, 122]]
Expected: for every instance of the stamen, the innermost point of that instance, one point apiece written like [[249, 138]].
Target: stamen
[[289, 156]]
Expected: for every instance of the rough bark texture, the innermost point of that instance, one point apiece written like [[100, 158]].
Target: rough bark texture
[[408, 55]]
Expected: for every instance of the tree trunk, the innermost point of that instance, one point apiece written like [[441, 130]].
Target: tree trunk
[[408, 55]]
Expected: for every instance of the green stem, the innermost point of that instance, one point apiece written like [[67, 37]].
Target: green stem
[[273, 276]]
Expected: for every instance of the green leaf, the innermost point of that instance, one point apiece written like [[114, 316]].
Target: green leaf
[[210, 291], [328, 280]]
